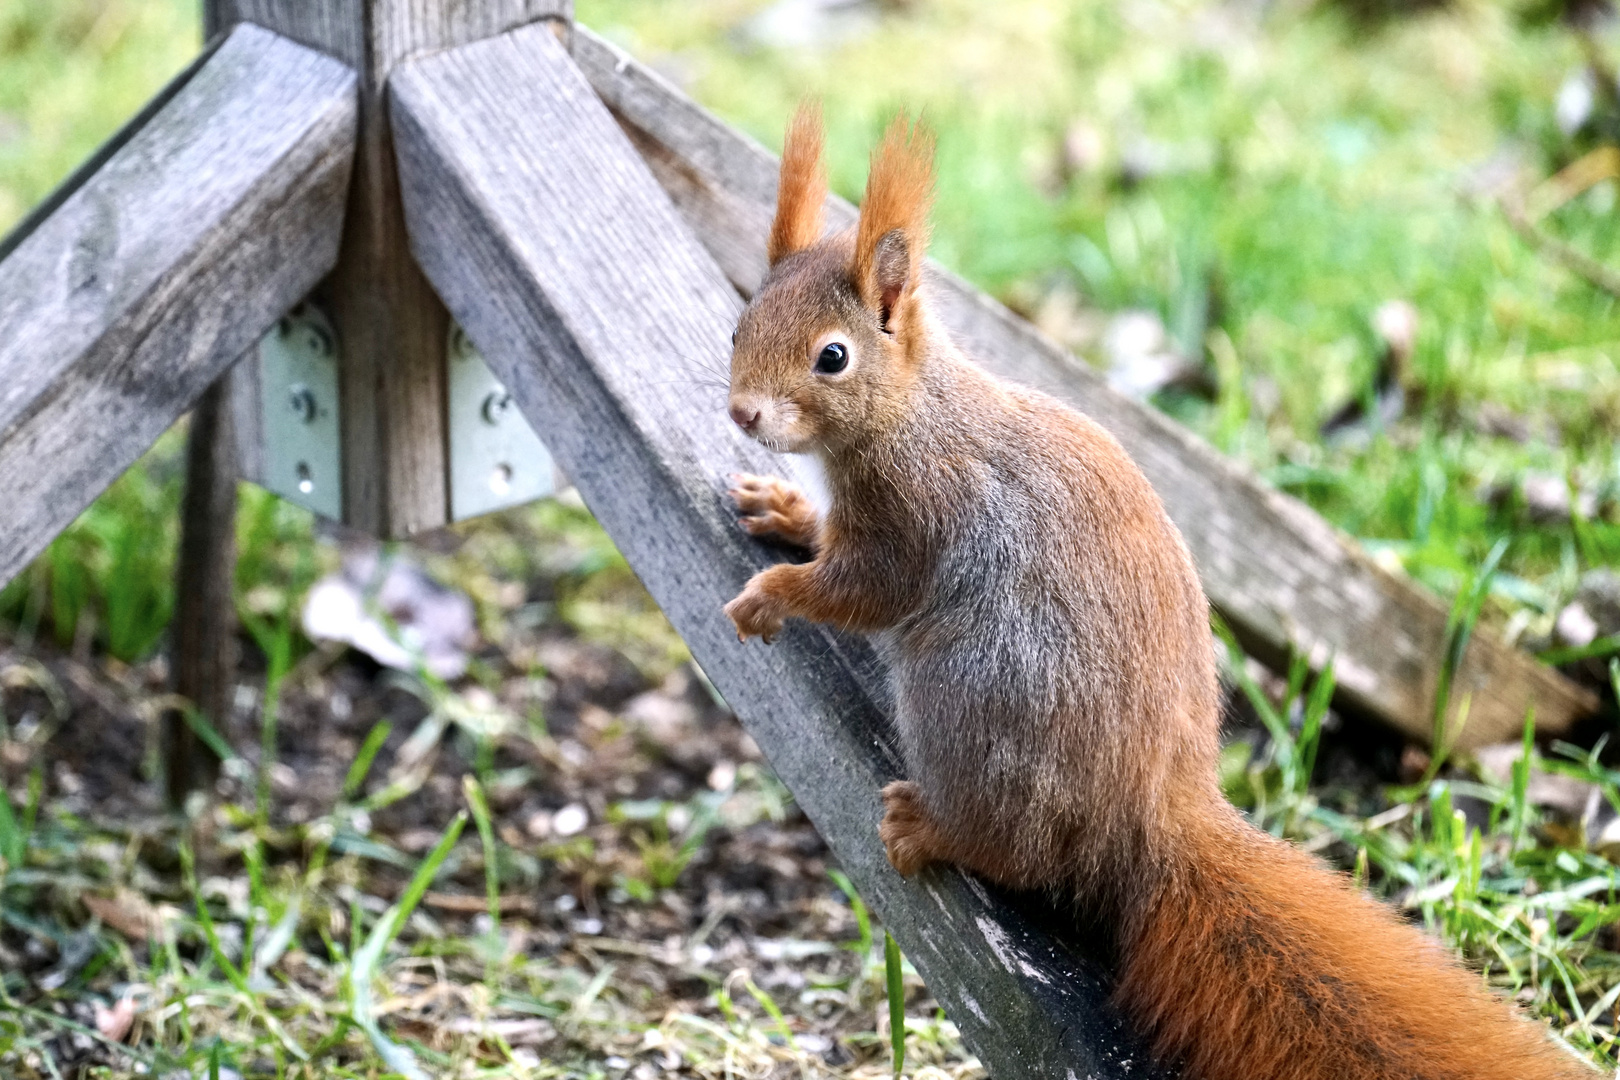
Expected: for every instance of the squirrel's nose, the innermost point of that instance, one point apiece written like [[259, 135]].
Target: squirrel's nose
[[746, 416]]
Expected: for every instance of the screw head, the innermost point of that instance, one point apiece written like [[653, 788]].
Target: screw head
[[301, 399], [495, 406]]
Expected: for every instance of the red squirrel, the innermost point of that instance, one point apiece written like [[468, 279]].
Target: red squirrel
[[1054, 682]]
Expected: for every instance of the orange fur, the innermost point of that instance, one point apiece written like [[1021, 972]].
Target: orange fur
[[899, 193], [1259, 962], [1056, 700], [802, 191]]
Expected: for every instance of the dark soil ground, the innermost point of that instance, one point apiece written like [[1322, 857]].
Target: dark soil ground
[[657, 884]]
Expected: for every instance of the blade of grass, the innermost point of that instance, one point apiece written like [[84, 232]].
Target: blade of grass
[[1310, 732], [253, 858], [773, 1010], [1459, 629], [863, 919], [367, 958], [895, 985], [593, 990], [1603, 646], [208, 733], [479, 806], [361, 765], [280, 936], [275, 639], [13, 842], [36, 793], [188, 869], [1520, 790]]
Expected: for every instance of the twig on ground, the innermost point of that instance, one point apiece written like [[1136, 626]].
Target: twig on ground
[[1597, 273]]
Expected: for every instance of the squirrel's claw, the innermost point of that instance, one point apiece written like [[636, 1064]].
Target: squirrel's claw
[[755, 614]]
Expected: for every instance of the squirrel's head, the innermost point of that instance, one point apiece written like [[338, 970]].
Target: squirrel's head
[[825, 352]]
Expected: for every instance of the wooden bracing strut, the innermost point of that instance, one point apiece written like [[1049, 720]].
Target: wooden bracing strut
[[593, 232]]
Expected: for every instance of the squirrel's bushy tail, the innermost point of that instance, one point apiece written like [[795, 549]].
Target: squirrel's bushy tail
[[1258, 963]]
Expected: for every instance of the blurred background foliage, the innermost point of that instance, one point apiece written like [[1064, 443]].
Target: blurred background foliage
[[1250, 183]]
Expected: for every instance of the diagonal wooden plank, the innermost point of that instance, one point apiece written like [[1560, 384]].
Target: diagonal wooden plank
[[554, 247], [1282, 577], [119, 308]]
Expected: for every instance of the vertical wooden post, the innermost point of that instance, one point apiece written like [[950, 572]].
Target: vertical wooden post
[[392, 330], [203, 631]]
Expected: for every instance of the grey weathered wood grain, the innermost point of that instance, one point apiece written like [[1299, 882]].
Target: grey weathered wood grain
[[1282, 577], [373, 41], [392, 328], [123, 305], [559, 254]]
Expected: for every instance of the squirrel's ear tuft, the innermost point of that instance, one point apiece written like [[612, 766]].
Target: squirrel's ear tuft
[[893, 231], [803, 188]]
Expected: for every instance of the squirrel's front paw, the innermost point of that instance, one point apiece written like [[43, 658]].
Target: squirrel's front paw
[[772, 507], [756, 613]]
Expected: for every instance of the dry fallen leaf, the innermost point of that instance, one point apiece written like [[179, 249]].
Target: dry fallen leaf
[[128, 912]]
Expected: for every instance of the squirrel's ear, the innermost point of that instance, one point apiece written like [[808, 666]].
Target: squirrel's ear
[[893, 231], [803, 188]]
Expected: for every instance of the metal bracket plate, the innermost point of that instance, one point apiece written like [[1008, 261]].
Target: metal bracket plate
[[298, 380], [496, 459]]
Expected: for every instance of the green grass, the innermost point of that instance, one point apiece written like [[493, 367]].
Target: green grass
[[1324, 168], [1521, 897]]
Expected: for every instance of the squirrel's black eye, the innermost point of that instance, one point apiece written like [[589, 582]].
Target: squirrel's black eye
[[833, 359]]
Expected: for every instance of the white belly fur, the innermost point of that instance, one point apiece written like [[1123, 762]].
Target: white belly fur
[[808, 472]]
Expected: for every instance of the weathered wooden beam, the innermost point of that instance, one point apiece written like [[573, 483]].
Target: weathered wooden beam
[[1284, 579], [558, 253], [393, 331], [119, 308]]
